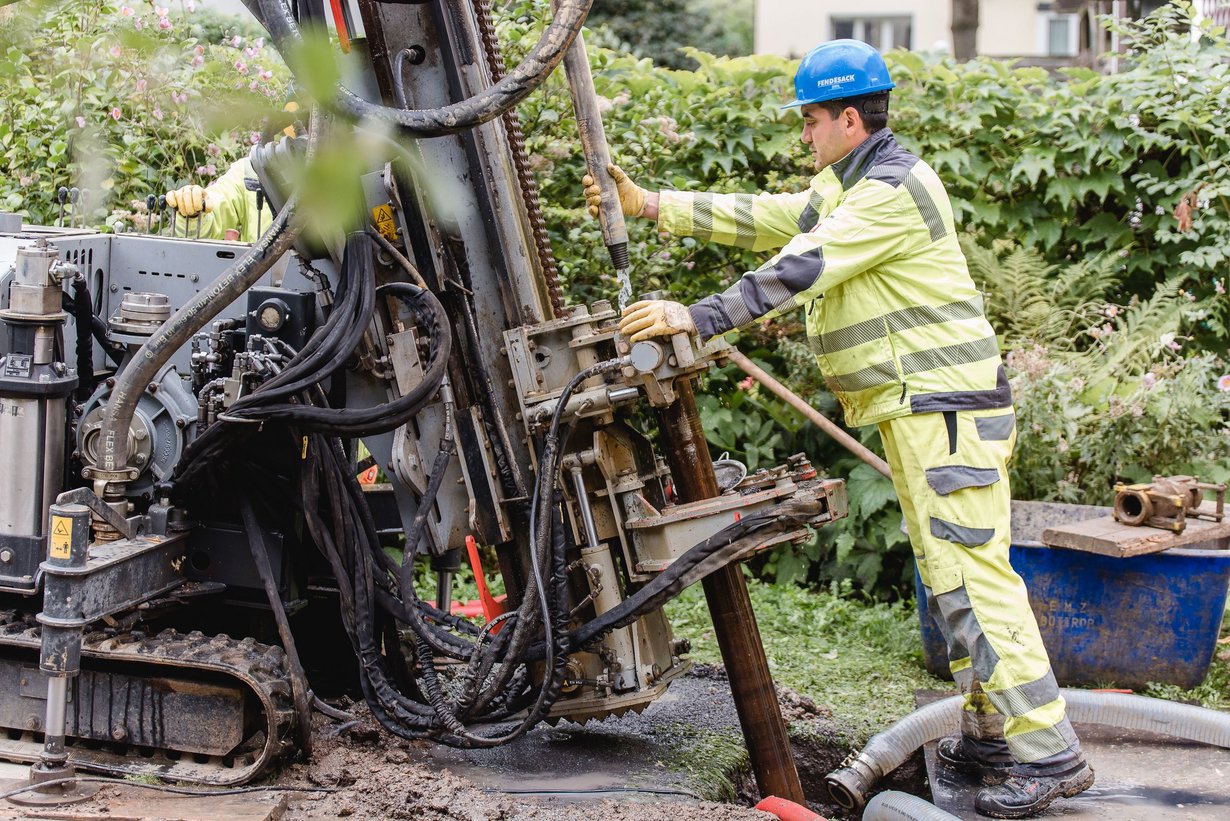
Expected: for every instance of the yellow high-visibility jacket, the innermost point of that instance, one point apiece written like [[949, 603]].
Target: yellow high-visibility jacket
[[870, 252], [234, 206]]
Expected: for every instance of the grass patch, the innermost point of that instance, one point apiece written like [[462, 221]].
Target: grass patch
[[709, 758], [863, 660]]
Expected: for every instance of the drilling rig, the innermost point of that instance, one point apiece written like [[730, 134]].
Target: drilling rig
[[186, 557]]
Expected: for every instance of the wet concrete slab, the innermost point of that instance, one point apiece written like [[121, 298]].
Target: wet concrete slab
[[1140, 777]]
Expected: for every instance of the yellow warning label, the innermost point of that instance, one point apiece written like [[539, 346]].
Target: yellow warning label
[[382, 215], [61, 537], [303, 453]]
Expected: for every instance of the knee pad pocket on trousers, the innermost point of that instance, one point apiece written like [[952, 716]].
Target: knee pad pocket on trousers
[[944, 578]]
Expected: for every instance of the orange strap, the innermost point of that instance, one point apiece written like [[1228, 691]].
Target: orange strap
[[339, 20]]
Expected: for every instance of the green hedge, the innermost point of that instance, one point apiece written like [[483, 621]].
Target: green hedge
[[1097, 209]]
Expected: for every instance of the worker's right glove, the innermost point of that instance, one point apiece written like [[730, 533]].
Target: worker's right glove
[[190, 200], [655, 317], [631, 195]]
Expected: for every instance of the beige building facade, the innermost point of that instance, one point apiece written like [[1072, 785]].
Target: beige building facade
[[1008, 28]]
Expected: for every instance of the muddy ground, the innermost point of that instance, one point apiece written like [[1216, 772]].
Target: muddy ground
[[376, 775]]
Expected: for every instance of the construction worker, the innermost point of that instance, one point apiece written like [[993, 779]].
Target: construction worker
[[229, 207], [870, 253]]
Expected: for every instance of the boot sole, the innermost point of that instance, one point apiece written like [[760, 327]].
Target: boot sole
[[1074, 786]]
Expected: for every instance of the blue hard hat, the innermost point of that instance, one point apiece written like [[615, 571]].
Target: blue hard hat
[[838, 69]]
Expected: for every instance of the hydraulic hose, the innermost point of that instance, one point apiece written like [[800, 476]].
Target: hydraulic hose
[[892, 805], [83, 318], [483, 107], [130, 384], [886, 751]]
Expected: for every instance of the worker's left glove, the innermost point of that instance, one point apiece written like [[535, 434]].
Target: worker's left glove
[[655, 317], [631, 196]]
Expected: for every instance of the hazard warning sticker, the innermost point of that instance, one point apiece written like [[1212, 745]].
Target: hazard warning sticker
[[382, 215], [61, 537]]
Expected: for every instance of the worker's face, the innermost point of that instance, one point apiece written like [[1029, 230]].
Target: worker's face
[[830, 138]]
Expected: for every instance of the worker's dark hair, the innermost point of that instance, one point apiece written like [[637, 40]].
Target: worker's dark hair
[[873, 108]]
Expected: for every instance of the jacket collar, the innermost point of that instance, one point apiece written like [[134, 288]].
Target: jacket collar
[[869, 153]]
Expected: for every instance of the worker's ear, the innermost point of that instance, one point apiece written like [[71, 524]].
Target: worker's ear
[[851, 120]]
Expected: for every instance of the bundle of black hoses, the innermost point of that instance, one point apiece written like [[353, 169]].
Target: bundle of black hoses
[[569, 16], [507, 680]]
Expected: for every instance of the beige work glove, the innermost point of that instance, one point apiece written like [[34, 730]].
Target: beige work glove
[[190, 200], [655, 317], [631, 195]]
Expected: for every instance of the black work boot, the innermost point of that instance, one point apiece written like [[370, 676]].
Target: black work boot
[[1026, 793], [968, 756]]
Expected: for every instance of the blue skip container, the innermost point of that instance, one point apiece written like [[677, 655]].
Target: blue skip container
[[1106, 621]]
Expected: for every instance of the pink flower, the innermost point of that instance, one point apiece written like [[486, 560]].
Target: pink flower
[[236, 41], [266, 75], [1223, 383], [250, 53], [164, 24], [115, 51], [138, 23], [213, 150], [197, 61], [689, 265], [1174, 346], [115, 113], [141, 84], [178, 98], [81, 122], [254, 85], [1112, 311], [161, 12], [254, 138], [746, 384], [1148, 380], [259, 42], [207, 170], [126, 12], [157, 112], [241, 66], [198, 50], [1219, 285], [190, 6]]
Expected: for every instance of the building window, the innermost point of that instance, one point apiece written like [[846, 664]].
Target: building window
[[883, 33], [1059, 35]]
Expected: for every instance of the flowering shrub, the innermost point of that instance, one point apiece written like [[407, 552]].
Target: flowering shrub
[[122, 100]]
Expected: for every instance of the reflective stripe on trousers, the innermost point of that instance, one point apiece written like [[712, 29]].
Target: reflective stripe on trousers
[[950, 472]]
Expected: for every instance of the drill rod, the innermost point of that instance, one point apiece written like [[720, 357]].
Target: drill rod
[[734, 622], [597, 158]]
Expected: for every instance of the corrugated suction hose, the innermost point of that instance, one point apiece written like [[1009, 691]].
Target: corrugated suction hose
[[886, 751]]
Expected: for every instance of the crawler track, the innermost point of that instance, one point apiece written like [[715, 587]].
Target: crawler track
[[179, 706]]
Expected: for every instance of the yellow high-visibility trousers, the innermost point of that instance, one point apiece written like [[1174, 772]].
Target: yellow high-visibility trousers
[[950, 472]]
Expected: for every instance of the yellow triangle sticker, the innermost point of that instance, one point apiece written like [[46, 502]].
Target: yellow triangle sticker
[[60, 544]]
